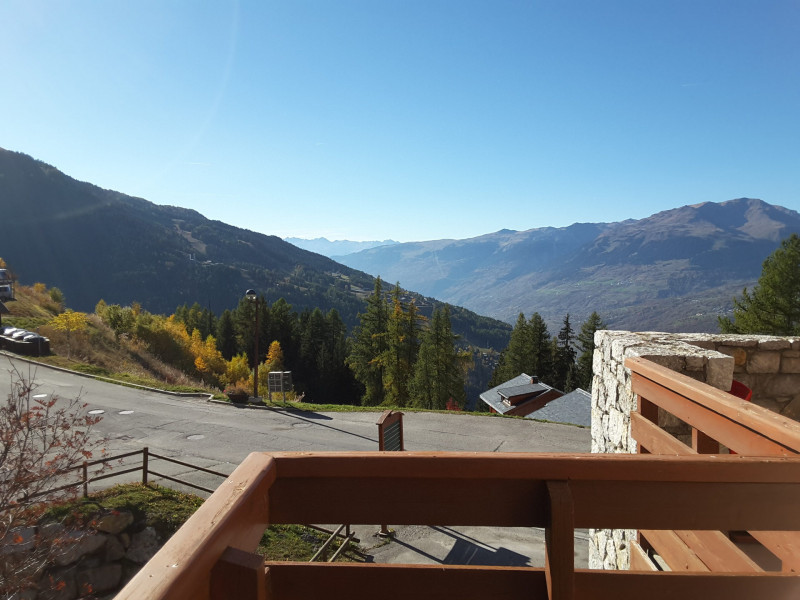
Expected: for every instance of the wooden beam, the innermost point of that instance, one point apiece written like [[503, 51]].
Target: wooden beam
[[780, 429], [639, 559], [717, 552], [366, 500], [560, 542], [674, 505], [351, 581], [496, 466], [238, 575], [654, 439], [783, 544], [673, 550], [235, 515], [737, 433], [348, 581], [613, 585]]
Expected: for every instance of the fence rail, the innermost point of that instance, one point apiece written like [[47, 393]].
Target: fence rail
[[86, 478]]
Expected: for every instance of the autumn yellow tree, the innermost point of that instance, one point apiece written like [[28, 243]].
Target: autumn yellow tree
[[70, 322], [274, 360], [237, 371], [207, 359]]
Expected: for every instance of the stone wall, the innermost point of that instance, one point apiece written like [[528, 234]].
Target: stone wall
[[95, 562], [769, 366]]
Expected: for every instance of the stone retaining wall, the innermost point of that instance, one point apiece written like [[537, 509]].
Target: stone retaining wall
[[89, 563], [769, 366]]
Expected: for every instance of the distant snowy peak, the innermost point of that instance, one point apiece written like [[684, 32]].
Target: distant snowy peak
[[337, 247]]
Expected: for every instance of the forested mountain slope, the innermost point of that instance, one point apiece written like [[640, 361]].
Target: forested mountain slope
[[674, 271], [94, 243]]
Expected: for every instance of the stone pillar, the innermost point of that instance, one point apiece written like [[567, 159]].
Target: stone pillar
[[613, 401]]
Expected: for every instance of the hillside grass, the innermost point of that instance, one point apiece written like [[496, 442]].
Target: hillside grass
[[95, 351]]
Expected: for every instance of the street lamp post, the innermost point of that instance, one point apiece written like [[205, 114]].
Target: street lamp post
[[253, 297]]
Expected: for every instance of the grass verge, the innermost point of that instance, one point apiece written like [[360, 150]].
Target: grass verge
[[166, 510]]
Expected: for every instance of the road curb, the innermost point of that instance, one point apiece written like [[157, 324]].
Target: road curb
[[209, 398]]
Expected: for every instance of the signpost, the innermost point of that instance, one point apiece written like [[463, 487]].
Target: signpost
[[279, 382], [390, 438]]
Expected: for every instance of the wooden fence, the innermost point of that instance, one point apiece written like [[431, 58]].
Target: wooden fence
[[87, 476], [211, 556]]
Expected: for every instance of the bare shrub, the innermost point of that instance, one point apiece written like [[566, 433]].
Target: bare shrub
[[42, 440]]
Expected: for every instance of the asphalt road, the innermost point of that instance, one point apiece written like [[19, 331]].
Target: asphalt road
[[219, 437]]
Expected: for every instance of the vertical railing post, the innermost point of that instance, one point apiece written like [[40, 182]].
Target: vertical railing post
[[560, 542], [238, 574], [145, 461], [649, 411], [85, 470], [703, 444]]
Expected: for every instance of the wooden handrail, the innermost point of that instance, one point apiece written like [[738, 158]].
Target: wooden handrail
[[233, 516], [700, 402]]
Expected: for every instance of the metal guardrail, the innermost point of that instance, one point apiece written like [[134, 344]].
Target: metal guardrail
[[85, 477]]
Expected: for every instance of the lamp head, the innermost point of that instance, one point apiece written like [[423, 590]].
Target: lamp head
[[250, 295]]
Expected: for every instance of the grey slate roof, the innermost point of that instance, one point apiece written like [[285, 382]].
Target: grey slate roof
[[575, 408], [519, 390], [493, 398]]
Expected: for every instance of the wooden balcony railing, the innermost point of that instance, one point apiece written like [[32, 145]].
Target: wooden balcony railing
[[211, 555], [715, 418]]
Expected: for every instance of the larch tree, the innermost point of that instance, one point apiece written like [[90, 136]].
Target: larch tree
[[772, 307], [70, 322], [275, 356], [402, 347]]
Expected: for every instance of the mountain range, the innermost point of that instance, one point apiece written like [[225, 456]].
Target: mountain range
[[97, 244], [674, 271], [333, 248]]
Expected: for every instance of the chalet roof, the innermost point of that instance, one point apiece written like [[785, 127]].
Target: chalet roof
[[521, 390], [575, 408], [520, 385]]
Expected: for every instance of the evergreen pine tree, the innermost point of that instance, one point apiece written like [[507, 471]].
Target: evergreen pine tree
[[586, 346], [541, 362], [773, 305], [563, 354], [368, 343], [439, 372], [226, 336]]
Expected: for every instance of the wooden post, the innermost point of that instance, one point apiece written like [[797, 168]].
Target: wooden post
[[238, 575], [650, 412], [704, 444], [85, 470], [145, 461], [560, 542]]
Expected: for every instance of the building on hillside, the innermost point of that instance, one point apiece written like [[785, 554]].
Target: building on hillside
[[574, 408], [6, 285], [520, 396]]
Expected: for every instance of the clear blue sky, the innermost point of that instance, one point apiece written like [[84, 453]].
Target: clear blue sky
[[409, 119]]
